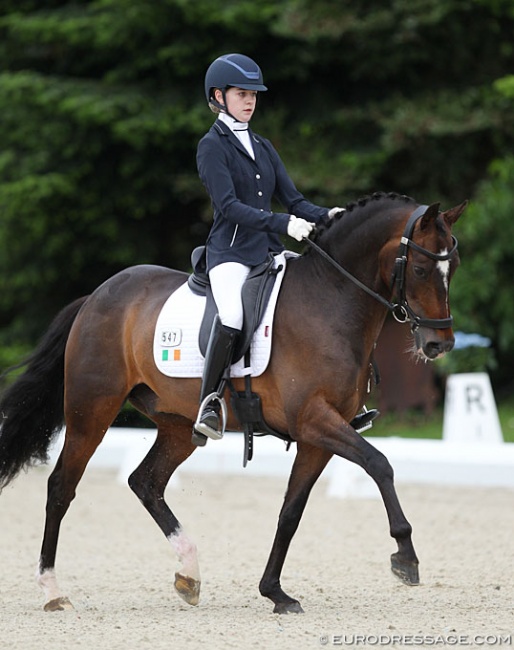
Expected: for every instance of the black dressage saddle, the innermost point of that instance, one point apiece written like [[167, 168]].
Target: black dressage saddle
[[255, 294]]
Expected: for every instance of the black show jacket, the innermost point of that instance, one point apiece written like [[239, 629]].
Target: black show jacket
[[244, 228]]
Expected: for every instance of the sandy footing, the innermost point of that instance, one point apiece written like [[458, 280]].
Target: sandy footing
[[117, 569]]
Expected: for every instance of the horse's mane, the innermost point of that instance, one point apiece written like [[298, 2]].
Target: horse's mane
[[371, 200]]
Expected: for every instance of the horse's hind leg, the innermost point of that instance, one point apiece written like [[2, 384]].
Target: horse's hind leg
[[308, 465], [171, 447], [83, 435]]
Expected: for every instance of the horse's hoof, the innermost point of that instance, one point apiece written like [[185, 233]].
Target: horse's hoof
[[187, 588], [292, 607], [407, 571], [60, 604]]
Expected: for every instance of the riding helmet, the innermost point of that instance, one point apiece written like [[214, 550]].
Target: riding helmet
[[233, 70]]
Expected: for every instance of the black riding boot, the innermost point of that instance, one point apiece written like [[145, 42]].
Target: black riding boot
[[217, 359], [363, 421]]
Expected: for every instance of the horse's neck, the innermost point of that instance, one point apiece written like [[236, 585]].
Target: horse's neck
[[355, 249], [356, 245], [323, 291]]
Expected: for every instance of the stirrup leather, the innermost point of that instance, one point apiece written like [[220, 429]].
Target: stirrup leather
[[206, 430]]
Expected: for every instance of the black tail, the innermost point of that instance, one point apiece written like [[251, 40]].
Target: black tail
[[32, 408]]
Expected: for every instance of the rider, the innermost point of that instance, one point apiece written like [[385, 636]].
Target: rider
[[242, 173]]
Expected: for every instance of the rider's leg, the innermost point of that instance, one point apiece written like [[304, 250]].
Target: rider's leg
[[217, 358], [226, 283]]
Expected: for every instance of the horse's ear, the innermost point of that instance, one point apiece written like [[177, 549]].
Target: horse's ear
[[430, 215], [451, 215]]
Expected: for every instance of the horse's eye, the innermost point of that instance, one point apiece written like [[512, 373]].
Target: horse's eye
[[420, 272]]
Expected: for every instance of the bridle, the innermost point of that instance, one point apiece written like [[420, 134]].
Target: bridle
[[400, 309]]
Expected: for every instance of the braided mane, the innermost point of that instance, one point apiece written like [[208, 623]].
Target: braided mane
[[362, 203]]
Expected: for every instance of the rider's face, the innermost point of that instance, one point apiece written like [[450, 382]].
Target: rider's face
[[240, 103]]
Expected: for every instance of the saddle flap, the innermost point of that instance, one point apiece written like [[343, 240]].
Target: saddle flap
[[255, 295]]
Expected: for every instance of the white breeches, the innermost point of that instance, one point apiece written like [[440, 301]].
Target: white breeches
[[227, 280]]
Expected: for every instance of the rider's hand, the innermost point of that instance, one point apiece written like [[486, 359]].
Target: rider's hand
[[335, 212], [299, 228]]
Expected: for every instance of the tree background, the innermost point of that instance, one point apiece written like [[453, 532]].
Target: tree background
[[102, 106]]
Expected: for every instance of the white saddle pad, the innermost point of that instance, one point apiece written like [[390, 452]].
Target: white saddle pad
[[175, 348]]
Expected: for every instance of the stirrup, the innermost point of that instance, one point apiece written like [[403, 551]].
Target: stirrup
[[364, 421], [203, 428]]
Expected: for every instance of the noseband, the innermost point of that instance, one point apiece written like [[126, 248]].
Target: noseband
[[401, 309]]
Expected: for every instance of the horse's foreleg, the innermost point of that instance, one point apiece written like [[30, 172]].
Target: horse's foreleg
[[308, 465], [341, 439], [404, 563], [149, 480]]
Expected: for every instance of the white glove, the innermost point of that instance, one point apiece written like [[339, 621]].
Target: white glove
[[299, 228], [334, 211]]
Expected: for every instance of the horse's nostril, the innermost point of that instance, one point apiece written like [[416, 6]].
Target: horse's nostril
[[435, 348], [432, 349]]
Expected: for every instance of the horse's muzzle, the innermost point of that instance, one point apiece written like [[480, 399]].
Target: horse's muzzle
[[437, 349]]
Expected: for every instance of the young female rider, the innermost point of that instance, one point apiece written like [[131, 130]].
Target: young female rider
[[242, 172]]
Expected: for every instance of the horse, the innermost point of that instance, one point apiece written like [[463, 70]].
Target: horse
[[333, 301]]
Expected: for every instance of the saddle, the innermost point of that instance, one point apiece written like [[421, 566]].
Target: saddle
[[255, 294]]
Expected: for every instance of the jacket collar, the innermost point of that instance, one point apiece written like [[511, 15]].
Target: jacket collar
[[224, 130]]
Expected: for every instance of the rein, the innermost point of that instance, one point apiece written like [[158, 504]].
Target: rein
[[400, 310]]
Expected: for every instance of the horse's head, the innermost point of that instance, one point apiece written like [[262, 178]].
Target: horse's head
[[424, 265], [416, 249]]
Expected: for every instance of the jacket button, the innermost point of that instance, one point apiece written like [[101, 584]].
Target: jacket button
[[257, 176], [259, 193]]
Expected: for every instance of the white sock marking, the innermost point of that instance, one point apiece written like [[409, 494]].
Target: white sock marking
[[48, 583], [186, 552]]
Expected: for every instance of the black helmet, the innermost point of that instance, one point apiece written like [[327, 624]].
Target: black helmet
[[233, 70]]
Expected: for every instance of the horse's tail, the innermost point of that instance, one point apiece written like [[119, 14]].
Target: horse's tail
[[32, 407]]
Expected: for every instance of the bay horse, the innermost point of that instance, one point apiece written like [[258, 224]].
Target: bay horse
[[97, 354]]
